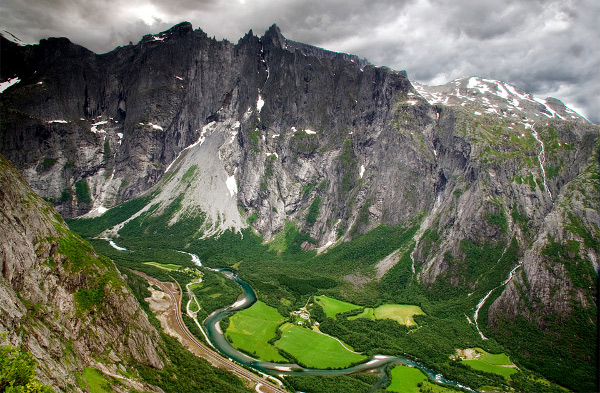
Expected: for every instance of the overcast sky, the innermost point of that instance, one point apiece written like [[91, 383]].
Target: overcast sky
[[545, 47]]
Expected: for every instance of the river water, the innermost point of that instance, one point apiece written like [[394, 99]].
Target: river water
[[377, 363]]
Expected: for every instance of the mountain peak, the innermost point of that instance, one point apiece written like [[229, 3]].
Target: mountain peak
[[274, 36], [494, 97]]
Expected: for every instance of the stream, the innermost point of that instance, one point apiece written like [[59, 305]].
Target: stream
[[378, 363], [482, 301], [541, 158]]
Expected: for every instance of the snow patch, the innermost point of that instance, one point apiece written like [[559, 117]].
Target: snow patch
[[260, 103], [231, 185], [5, 85], [473, 82], [95, 129], [272, 154], [310, 132], [514, 91], [552, 112], [502, 91], [362, 171], [275, 136], [57, 121], [178, 77]]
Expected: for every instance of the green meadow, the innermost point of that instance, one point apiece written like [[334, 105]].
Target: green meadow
[[401, 313], [95, 380], [251, 329], [407, 379], [492, 363], [316, 350], [332, 306], [163, 266]]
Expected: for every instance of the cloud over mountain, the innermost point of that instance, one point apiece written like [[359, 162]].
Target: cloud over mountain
[[549, 48]]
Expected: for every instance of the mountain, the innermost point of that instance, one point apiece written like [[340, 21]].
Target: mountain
[[73, 312], [63, 302], [299, 143]]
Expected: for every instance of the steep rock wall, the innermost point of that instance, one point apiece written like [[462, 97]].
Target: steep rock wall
[[62, 302]]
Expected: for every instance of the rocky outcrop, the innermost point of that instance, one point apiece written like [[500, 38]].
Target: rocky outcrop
[[61, 301]]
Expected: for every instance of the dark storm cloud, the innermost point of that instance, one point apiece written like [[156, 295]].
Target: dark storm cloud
[[546, 47]]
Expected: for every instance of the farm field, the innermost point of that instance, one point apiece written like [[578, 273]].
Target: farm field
[[401, 313], [411, 380], [164, 266], [332, 306], [252, 328], [492, 363], [314, 349]]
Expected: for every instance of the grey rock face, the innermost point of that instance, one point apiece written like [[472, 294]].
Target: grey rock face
[[44, 268]]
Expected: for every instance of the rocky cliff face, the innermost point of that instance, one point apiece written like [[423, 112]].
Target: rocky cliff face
[[61, 301], [504, 185]]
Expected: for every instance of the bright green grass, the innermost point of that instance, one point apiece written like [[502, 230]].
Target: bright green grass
[[401, 313], [252, 328], [194, 306], [332, 306], [164, 266], [406, 380], [96, 381], [492, 363], [314, 349]]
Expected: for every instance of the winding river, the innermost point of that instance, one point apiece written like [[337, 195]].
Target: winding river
[[218, 340], [378, 363]]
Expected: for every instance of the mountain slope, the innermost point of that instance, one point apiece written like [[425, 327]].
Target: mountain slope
[[71, 309], [496, 97], [62, 301]]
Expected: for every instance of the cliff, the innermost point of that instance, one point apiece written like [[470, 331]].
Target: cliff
[[61, 301]]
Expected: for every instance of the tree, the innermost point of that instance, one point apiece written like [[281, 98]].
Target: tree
[[17, 372]]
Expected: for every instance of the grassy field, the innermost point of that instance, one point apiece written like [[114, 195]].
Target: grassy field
[[194, 305], [401, 313], [96, 382], [412, 380], [315, 349], [333, 306], [492, 363], [252, 328], [164, 266]]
